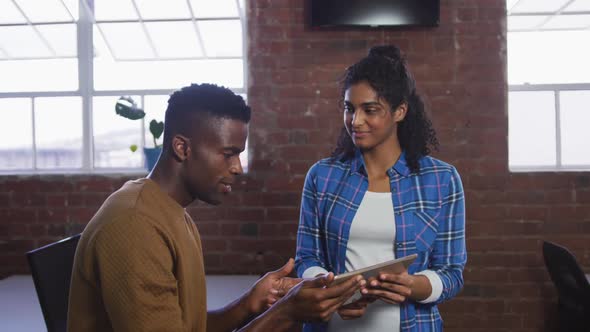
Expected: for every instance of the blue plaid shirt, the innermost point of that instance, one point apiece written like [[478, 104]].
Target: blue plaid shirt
[[429, 219]]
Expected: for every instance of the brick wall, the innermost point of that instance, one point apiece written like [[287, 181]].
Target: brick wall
[[460, 66]]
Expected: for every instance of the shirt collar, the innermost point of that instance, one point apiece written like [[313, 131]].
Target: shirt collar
[[400, 167]]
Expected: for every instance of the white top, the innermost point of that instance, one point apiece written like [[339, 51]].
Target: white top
[[371, 241]]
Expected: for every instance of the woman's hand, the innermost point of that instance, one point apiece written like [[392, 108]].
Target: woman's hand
[[390, 288], [355, 309]]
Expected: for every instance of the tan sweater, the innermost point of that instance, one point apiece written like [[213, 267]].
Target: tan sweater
[[138, 266]]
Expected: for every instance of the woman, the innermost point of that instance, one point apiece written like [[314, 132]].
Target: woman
[[381, 196]]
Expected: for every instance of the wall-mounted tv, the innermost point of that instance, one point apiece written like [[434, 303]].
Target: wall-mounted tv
[[374, 13]]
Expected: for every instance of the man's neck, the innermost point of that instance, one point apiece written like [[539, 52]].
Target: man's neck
[[168, 180]]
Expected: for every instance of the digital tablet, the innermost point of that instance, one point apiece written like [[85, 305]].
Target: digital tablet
[[393, 266]]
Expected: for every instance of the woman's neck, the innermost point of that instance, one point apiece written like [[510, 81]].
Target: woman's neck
[[379, 159]]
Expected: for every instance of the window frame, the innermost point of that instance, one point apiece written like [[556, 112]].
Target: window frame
[[546, 15], [86, 91], [556, 89]]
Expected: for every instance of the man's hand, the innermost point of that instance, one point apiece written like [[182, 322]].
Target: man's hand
[[390, 288], [270, 288], [308, 301], [311, 300]]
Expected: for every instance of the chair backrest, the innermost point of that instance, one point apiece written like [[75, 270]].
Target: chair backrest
[[51, 267], [572, 286]]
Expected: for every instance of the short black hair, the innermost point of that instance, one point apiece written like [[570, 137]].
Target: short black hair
[[205, 99], [386, 71]]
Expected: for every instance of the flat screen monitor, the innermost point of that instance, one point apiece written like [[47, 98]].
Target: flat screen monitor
[[375, 13]]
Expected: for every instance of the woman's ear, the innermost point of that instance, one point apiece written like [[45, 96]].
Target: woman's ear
[[400, 112], [181, 148]]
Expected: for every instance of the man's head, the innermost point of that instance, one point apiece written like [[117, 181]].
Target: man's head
[[205, 130]]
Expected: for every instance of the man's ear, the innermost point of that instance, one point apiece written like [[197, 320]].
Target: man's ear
[[400, 112], [181, 147]]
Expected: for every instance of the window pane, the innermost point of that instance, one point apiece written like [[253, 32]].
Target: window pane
[[244, 155], [113, 135], [218, 8], [222, 38], [510, 4], [72, 7], [9, 13], [61, 37], [101, 51], [575, 136], [530, 60], [58, 132], [114, 10], [22, 42], [127, 40], [16, 134], [525, 22], [45, 11], [155, 109], [184, 44], [150, 9], [536, 6], [531, 128], [568, 22], [578, 6], [39, 75], [109, 75]]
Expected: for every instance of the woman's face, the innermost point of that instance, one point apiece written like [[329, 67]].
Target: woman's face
[[368, 119]]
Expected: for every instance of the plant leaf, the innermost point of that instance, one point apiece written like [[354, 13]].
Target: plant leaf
[[133, 148], [156, 128], [127, 108]]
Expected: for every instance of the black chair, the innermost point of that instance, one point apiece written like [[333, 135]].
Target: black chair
[[51, 267], [573, 289]]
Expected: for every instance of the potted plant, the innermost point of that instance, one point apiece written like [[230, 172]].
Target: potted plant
[[127, 108]]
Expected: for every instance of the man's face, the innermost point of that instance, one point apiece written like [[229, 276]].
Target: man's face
[[213, 163]]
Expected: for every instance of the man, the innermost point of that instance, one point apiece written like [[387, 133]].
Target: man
[[139, 264]]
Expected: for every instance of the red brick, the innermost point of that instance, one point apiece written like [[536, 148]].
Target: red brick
[[5, 200], [214, 245], [282, 184], [244, 214], [56, 200], [18, 215], [94, 185], [16, 246], [14, 230], [282, 214]]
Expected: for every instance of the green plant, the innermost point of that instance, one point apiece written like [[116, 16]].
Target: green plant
[[127, 108]]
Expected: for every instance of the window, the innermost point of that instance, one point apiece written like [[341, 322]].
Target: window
[[68, 62], [549, 85]]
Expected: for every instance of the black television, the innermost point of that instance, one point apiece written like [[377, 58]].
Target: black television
[[375, 13]]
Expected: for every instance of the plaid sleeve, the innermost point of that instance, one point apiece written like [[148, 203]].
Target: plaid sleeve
[[449, 255], [309, 249]]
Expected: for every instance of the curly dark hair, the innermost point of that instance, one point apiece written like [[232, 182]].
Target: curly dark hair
[[385, 70], [205, 99]]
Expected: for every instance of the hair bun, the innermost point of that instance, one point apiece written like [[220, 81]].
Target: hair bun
[[391, 52]]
